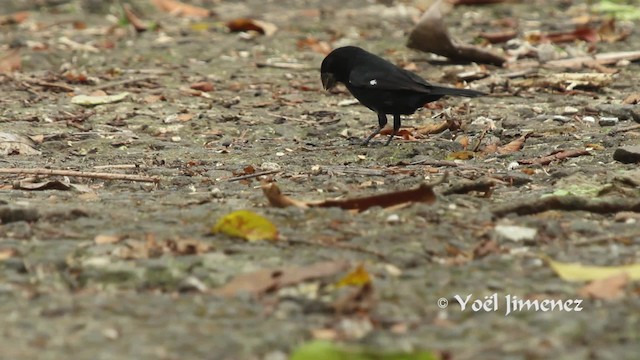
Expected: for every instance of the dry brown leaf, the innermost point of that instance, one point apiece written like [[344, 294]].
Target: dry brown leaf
[[431, 35], [321, 47], [8, 253], [514, 146], [181, 9], [245, 24], [633, 99], [203, 86], [262, 281], [424, 193], [108, 239], [405, 134], [277, 199], [498, 37], [434, 128], [16, 144], [608, 32], [15, 18], [185, 117], [606, 289], [360, 300], [461, 155], [133, 19], [580, 33], [486, 247], [11, 62]]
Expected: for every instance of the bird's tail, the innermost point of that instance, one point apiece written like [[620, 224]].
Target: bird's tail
[[441, 90]]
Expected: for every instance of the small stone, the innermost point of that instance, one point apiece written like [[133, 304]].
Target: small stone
[[513, 165], [627, 154], [516, 233], [270, 166], [589, 119], [560, 118], [569, 110], [393, 219], [279, 153], [623, 63], [608, 121]]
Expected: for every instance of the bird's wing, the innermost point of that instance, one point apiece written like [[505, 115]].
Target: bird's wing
[[392, 79]]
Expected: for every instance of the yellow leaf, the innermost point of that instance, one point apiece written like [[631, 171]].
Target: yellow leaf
[[358, 277], [579, 272], [461, 155], [247, 225]]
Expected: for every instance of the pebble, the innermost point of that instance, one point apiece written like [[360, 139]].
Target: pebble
[[516, 233], [589, 119], [627, 154], [608, 121], [560, 118], [393, 219], [513, 165], [569, 110], [270, 166]]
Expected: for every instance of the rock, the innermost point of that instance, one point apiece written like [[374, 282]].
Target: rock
[[516, 233], [589, 119], [627, 154], [621, 111], [569, 110], [608, 121]]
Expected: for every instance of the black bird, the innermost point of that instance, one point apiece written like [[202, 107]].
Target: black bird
[[382, 86]]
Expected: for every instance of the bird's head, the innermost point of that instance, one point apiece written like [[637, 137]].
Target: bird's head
[[336, 66]]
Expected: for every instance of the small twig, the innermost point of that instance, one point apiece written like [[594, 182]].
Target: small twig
[[480, 138], [560, 155], [46, 84], [356, 170], [625, 129], [438, 163], [124, 82], [284, 65], [567, 203], [94, 175], [254, 175], [607, 238], [120, 166]]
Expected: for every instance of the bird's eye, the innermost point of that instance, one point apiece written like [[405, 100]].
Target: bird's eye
[[373, 82]]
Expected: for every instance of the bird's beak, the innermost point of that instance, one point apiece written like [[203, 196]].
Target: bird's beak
[[328, 80]]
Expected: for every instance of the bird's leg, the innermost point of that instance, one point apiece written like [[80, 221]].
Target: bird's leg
[[396, 128], [382, 122]]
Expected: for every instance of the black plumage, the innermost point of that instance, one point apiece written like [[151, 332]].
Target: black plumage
[[382, 86]]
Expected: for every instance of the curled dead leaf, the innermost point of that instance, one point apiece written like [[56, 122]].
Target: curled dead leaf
[[266, 280], [431, 35], [423, 193], [246, 24], [178, 8], [11, 62]]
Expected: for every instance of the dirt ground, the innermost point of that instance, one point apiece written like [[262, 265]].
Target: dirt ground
[[98, 270]]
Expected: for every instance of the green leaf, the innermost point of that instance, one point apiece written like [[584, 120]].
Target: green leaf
[[326, 350]]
